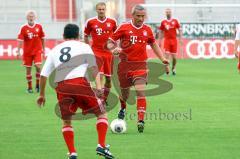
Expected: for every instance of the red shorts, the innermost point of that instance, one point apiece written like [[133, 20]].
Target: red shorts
[[129, 71], [104, 62], [77, 93], [28, 60], [170, 45]]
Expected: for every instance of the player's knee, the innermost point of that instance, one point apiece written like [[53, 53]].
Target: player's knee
[[125, 96], [28, 70], [174, 57], [140, 93], [38, 68], [140, 87], [67, 122], [102, 115], [108, 85], [108, 80]]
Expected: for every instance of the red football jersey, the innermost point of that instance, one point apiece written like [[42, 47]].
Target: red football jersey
[[32, 37], [169, 27], [133, 41], [100, 31]]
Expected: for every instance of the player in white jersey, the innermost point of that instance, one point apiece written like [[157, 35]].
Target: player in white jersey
[[237, 45], [70, 61]]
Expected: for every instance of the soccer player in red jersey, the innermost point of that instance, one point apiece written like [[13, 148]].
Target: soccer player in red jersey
[[70, 60], [134, 36], [168, 29], [100, 28], [31, 35]]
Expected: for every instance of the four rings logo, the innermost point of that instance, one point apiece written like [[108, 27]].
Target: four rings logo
[[207, 49]]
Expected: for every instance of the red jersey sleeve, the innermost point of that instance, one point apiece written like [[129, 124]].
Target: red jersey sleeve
[[117, 34], [21, 34], [42, 34], [177, 24], [151, 38], [87, 29], [161, 27]]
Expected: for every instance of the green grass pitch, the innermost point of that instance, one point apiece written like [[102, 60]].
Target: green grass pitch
[[209, 88]]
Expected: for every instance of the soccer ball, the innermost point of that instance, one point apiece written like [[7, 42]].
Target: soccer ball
[[118, 126]]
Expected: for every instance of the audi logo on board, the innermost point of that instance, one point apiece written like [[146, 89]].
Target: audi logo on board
[[191, 48], [208, 49]]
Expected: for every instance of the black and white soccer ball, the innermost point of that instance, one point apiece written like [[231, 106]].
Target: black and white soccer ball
[[118, 126]]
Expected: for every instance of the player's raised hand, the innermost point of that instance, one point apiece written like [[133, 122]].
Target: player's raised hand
[[41, 101]]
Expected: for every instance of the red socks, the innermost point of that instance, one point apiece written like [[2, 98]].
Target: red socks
[[37, 79], [141, 107], [68, 135], [102, 127], [29, 81], [123, 103]]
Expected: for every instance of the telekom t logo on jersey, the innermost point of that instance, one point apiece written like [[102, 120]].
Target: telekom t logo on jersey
[[99, 31], [133, 39], [30, 35]]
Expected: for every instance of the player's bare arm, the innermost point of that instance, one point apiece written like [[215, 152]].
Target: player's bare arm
[[41, 98], [180, 36], [43, 45], [159, 53], [160, 37], [19, 46], [97, 76], [86, 39]]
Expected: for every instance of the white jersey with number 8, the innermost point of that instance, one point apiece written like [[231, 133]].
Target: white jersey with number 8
[[69, 59]]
